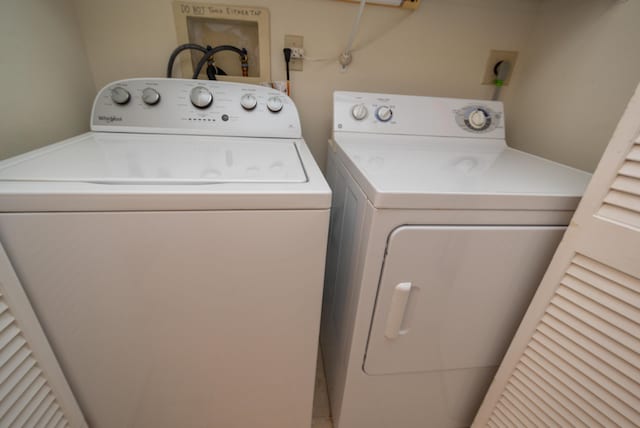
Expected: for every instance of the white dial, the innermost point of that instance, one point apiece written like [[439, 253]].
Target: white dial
[[120, 95], [150, 96], [477, 119], [248, 101], [274, 104], [384, 113], [359, 111], [201, 97]]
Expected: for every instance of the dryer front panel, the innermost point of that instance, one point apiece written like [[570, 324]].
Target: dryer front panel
[[451, 297]]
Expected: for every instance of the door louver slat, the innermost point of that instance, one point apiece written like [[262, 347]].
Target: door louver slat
[[23, 402], [57, 418], [621, 291], [634, 154], [558, 391], [530, 410], [38, 414], [48, 416], [582, 364], [23, 387], [33, 404], [599, 336], [533, 402], [622, 202], [527, 376], [587, 346], [630, 168], [516, 411]]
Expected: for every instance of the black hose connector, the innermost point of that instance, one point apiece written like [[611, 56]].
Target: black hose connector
[[205, 58], [181, 48]]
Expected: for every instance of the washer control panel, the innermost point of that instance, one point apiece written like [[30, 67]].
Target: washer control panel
[[411, 115], [200, 107]]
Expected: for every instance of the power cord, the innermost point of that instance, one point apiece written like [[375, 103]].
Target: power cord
[[501, 71], [287, 60]]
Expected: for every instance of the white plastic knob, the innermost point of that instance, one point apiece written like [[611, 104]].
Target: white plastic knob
[[359, 111], [274, 104], [248, 102], [120, 95], [477, 119], [384, 113], [150, 96], [201, 97]]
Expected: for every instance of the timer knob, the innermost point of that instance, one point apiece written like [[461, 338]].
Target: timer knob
[[201, 97], [248, 102], [150, 96], [384, 113], [120, 95], [477, 119], [274, 104], [359, 111]]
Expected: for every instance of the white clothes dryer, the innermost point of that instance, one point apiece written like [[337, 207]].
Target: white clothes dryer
[[439, 236], [175, 255]]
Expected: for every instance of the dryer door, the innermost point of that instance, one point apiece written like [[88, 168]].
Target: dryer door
[[451, 297]]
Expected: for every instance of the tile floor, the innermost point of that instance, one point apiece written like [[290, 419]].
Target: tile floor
[[321, 411]]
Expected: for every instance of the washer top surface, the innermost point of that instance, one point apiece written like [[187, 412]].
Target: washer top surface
[[109, 158], [444, 153], [173, 144]]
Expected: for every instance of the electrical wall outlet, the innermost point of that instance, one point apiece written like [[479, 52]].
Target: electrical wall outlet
[[296, 45], [297, 53], [495, 57]]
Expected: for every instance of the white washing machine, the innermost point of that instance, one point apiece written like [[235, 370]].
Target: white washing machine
[[175, 255], [439, 236]]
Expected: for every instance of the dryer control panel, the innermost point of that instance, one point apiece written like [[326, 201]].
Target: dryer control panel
[[198, 107], [411, 115]]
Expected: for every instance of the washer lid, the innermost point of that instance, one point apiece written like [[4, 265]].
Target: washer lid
[[457, 173], [129, 172], [105, 158]]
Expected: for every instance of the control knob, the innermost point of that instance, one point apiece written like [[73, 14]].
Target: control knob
[[249, 102], [150, 96], [274, 104], [120, 95], [384, 113], [477, 119], [359, 111], [201, 97]]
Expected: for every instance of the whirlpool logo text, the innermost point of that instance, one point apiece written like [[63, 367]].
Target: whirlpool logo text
[[110, 119]]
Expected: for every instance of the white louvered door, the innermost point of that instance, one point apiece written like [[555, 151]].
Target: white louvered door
[[33, 389], [575, 359]]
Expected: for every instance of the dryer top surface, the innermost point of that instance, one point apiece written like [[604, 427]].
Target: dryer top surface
[[450, 173]]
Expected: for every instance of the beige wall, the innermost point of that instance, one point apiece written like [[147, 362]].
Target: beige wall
[[577, 74], [439, 50], [576, 70], [47, 89]]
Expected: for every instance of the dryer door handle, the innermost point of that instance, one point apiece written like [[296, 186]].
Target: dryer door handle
[[399, 301]]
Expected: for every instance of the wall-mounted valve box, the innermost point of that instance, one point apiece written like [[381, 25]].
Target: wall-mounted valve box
[[215, 25]]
